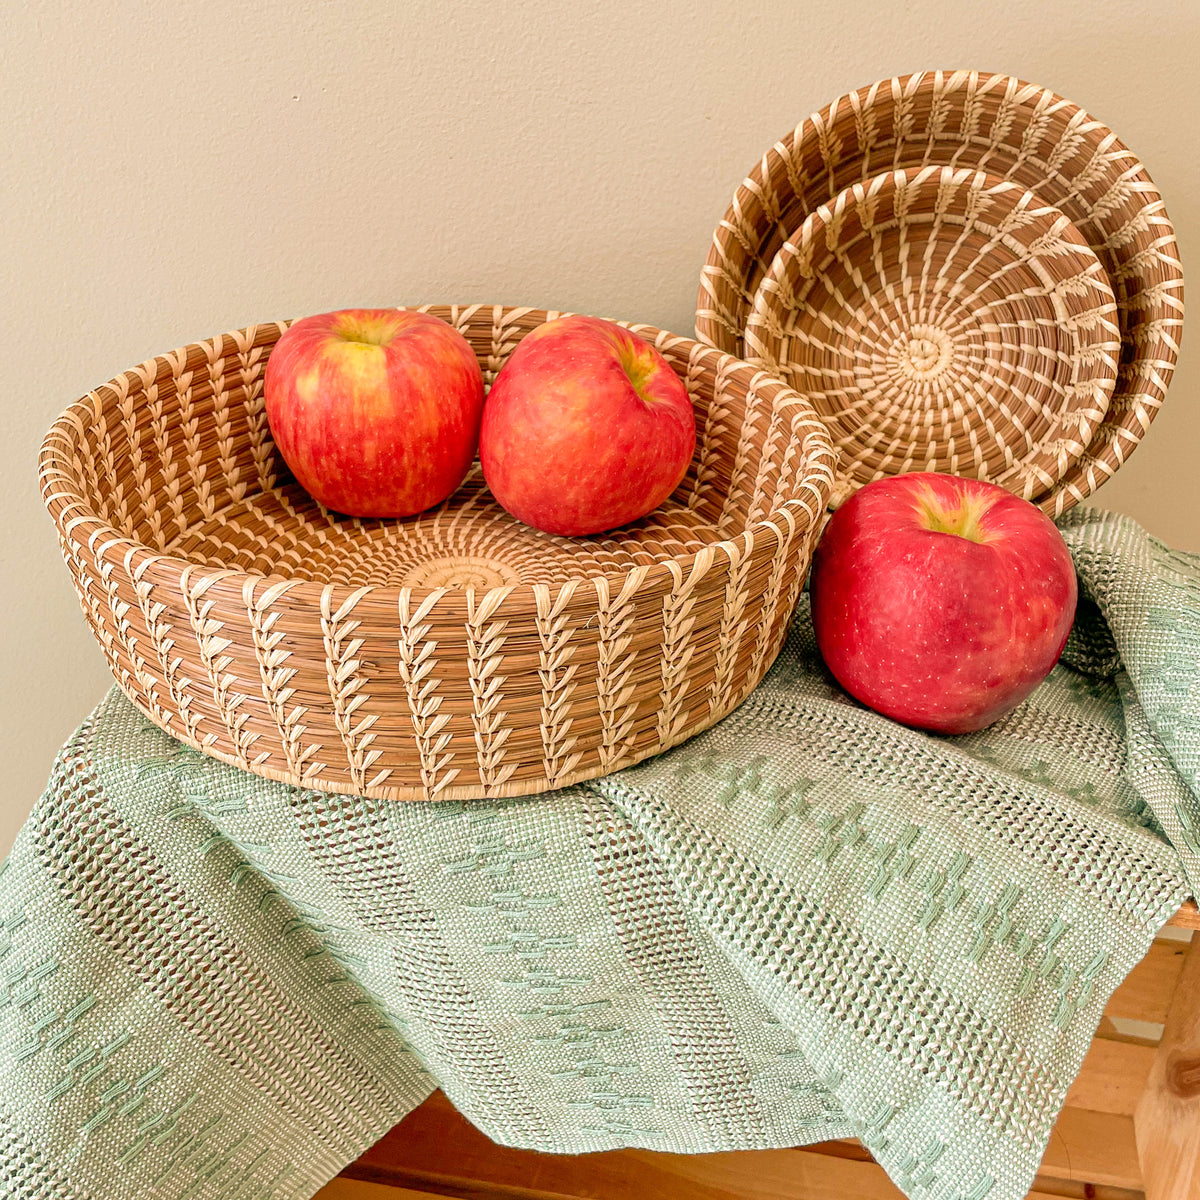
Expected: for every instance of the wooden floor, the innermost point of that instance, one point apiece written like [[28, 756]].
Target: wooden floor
[[1093, 1151]]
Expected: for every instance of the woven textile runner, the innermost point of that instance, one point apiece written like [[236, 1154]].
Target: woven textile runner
[[807, 923]]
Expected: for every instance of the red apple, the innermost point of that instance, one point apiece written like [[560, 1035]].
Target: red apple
[[941, 602], [586, 428], [376, 411]]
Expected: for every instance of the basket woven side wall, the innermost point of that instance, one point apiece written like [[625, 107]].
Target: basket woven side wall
[[252, 624]]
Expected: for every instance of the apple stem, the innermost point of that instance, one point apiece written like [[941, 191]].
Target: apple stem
[[962, 520]]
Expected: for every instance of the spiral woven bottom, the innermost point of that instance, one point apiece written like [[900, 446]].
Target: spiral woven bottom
[[469, 541], [943, 320]]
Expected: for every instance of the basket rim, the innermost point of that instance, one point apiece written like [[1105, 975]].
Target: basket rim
[[1145, 386], [78, 521]]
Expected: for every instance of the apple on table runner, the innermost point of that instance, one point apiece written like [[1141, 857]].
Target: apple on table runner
[[941, 602]]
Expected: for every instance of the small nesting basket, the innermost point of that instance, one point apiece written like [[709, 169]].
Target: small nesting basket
[[1010, 129], [943, 320], [456, 654]]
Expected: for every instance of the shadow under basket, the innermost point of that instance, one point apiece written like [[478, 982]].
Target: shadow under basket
[[453, 655]]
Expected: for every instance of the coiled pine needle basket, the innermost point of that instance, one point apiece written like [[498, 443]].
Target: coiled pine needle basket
[[943, 320], [1010, 129], [456, 654]]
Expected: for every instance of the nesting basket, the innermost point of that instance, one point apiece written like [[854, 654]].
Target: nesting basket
[[456, 654], [1013, 131], [943, 320]]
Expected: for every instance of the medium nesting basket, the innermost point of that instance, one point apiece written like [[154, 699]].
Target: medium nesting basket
[[1008, 128], [457, 654], [943, 320]]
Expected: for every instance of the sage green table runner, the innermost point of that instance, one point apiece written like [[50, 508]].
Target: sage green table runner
[[807, 923]]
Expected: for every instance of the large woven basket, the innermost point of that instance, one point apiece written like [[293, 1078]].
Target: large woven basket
[[1010, 129], [457, 654]]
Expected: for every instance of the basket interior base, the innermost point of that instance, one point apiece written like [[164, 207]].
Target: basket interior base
[[468, 541]]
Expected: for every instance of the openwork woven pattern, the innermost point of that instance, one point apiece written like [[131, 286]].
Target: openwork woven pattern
[[1008, 128], [943, 320], [454, 654]]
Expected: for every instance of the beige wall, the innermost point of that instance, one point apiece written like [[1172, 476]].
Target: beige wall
[[172, 171]]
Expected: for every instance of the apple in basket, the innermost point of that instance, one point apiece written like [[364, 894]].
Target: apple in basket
[[375, 411], [586, 427], [941, 602]]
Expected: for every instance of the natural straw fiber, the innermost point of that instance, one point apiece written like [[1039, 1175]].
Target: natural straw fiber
[[1010, 129], [943, 320], [457, 654]]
